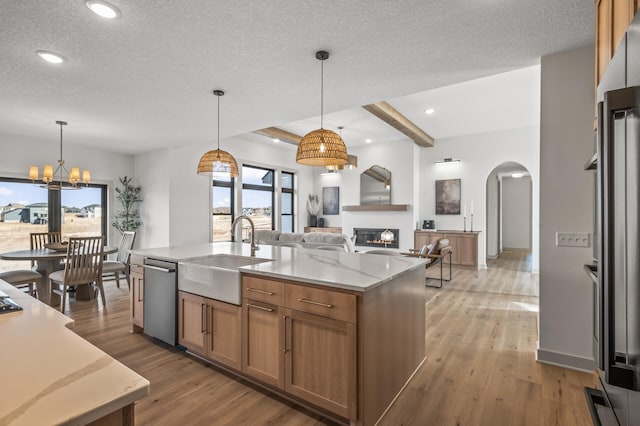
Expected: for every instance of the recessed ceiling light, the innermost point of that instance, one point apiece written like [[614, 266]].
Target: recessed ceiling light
[[50, 57], [517, 175], [103, 9], [429, 111], [276, 140], [367, 140]]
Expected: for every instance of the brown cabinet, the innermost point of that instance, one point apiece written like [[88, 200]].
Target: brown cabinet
[[302, 340], [136, 284], [263, 327], [320, 361], [210, 328], [612, 20], [464, 245]]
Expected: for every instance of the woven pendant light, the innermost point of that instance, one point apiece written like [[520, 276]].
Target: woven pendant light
[[217, 162], [321, 147]]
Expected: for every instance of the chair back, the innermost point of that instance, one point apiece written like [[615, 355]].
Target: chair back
[[423, 251], [125, 245], [39, 239], [84, 260]]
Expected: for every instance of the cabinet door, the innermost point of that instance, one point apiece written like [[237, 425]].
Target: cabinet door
[[603, 37], [320, 361], [224, 333], [455, 249], [420, 239], [262, 335], [467, 251], [136, 277], [192, 322]]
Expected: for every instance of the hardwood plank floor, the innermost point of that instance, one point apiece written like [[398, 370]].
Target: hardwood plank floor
[[481, 333]]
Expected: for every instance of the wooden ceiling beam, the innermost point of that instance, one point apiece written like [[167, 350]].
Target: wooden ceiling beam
[[283, 135], [392, 117]]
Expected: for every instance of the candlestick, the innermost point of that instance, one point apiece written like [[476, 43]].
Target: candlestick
[[465, 210], [472, 221], [472, 208], [465, 223]]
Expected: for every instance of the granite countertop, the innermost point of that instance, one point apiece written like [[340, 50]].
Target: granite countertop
[[53, 376], [350, 271]]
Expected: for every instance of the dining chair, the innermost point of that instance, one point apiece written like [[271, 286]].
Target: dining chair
[[121, 263], [39, 239], [23, 278], [83, 266]]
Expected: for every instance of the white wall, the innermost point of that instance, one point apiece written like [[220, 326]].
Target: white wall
[[479, 155], [19, 153], [516, 212], [397, 157], [493, 217], [566, 200], [181, 199]]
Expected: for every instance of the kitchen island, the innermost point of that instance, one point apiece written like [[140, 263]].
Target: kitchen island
[[340, 333], [53, 376]]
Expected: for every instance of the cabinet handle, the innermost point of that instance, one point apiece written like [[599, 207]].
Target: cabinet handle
[[139, 290], [259, 307], [255, 290], [285, 336], [203, 318], [311, 302]]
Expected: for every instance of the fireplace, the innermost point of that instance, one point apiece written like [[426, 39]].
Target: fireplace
[[371, 237]]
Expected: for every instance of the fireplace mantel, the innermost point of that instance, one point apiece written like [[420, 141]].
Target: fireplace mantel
[[377, 208]]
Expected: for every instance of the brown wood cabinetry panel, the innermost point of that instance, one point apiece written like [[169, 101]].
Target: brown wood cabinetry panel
[[467, 249], [330, 304], [224, 333], [464, 245], [262, 289], [320, 361], [262, 335], [136, 277], [192, 312]]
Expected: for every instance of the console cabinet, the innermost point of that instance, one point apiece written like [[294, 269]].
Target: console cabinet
[[464, 245]]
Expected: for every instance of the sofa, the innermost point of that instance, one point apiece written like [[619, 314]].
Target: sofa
[[307, 240]]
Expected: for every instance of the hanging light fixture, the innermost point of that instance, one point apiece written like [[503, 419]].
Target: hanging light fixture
[[218, 163], [321, 147], [61, 173], [352, 160]]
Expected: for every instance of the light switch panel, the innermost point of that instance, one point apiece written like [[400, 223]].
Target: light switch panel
[[573, 239]]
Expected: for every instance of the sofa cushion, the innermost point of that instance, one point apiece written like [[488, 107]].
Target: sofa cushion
[[323, 238], [263, 235], [291, 237]]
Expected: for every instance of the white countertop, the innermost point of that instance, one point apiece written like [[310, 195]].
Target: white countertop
[[350, 271], [50, 375]]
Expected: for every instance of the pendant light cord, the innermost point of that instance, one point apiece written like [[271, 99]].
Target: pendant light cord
[[60, 143], [218, 122], [322, 94]]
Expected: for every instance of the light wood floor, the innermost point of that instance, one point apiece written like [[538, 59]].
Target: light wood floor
[[480, 369]]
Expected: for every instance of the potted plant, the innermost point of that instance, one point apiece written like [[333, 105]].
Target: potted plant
[[127, 219], [313, 207]]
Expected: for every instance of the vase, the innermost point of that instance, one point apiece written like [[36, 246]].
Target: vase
[[313, 220]]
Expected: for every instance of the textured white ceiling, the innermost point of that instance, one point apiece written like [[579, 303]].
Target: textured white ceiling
[[144, 81]]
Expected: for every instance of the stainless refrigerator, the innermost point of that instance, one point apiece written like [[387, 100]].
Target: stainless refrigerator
[[616, 272]]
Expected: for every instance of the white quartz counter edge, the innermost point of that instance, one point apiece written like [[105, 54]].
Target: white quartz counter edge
[[349, 271], [53, 376]]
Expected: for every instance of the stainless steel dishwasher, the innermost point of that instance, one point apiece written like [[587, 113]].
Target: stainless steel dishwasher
[[160, 295]]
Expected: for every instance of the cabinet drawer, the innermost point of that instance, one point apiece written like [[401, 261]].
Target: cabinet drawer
[[137, 269], [331, 304], [264, 290]]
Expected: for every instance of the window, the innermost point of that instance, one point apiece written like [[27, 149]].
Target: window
[[286, 206], [222, 208], [257, 196], [27, 208]]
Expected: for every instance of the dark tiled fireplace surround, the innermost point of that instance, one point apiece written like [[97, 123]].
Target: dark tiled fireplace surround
[[371, 237]]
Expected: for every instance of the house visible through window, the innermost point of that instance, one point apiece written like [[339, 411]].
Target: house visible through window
[[222, 208], [257, 196], [26, 208]]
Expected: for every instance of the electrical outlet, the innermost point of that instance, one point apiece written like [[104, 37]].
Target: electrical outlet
[[573, 239]]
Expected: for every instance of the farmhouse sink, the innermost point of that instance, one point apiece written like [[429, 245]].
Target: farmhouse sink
[[216, 277]]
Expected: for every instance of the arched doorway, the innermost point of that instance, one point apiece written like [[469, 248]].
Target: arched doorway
[[509, 210]]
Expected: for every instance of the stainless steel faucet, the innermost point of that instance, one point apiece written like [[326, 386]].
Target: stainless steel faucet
[[254, 246]]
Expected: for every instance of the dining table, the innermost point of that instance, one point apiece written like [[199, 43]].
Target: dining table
[[47, 261]]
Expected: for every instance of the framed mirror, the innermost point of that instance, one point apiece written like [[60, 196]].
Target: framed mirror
[[375, 186]]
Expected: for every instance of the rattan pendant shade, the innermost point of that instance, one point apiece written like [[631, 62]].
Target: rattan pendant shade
[[218, 163], [321, 147]]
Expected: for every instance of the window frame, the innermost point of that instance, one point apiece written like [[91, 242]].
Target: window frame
[[291, 191], [265, 188], [225, 184]]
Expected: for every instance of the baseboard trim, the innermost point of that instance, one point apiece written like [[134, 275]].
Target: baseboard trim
[[492, 256], [564, 360]]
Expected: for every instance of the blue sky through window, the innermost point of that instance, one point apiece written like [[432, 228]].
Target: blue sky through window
[[27, 193]]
